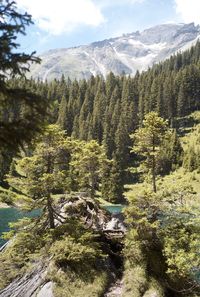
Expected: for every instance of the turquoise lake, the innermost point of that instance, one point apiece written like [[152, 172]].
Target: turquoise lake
[[114, 209], [8, 215]]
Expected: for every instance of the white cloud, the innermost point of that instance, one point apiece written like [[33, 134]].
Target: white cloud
[[60, 16], [189, 10], [107, 3]]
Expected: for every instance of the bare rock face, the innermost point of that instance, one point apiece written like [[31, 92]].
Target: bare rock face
[[121, 55]]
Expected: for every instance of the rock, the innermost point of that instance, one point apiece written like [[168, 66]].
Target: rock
[[112, 225], [46, 290], [116, 224], [115, 290]]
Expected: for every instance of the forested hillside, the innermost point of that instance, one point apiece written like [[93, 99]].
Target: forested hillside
[[110, 110]]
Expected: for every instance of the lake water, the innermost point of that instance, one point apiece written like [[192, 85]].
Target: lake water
[[114, 209], [8, 215]]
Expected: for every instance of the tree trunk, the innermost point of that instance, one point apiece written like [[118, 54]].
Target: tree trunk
[[154, 175], [92, 184], [50, 212], [49, 200], [154, 168]]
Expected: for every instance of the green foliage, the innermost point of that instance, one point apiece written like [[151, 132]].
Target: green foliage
[[148, 140], [66, 251], [135, 282], [72, 248], [171, 154], [112, 182], [22, 111], [13, 23], [137, 279], [181, 243], [44, 173], [180, 248], [87, 164], [22, 251], [164, 235], [78, 266], [55, 161], [109, 110], [58, 164], [90, 283], [191, 160], [162, 245], [75, 246]]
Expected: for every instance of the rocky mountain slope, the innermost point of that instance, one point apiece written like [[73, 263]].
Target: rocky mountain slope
[[124, 54]]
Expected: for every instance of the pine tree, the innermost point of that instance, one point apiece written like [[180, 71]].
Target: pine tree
[[99, 111], [111, 83], [44, 173], [122, 143], [181, 102], [16, 64], [108, 139], [87, 163], [148, 140], [116, 183], [168, 99], [62, 116], [190, 161], [171, 154]]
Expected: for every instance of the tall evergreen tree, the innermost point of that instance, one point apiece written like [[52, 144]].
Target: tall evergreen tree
[[43, 174], [16, 64], [148, 140], [87, 162]]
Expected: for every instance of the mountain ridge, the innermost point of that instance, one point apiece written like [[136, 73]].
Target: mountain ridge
[[122, 55]]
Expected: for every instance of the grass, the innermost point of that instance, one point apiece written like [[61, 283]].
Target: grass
[[71, 284], [103, 202], [78, 281]]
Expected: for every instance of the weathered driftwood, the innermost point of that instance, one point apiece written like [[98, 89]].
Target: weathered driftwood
[[30, 285]]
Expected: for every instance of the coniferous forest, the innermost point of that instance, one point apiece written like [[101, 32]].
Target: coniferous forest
[[110, 110], [69, 149]]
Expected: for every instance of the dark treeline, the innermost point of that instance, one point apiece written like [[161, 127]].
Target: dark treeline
[[109, 110]]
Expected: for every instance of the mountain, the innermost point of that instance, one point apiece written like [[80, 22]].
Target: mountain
[[125, 54]]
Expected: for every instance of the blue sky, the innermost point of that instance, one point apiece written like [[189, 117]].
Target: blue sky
[[67, 23]]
